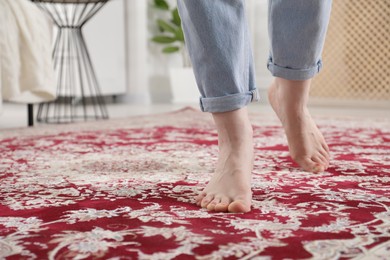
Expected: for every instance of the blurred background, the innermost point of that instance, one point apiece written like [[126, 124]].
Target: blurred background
[[137, 76]]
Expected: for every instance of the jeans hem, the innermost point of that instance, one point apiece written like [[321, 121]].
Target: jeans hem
[[294, 74], [229, 102]]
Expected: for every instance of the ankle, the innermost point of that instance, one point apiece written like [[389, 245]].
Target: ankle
[[302, 84], [292, 95], [234, 128], [237, 144]]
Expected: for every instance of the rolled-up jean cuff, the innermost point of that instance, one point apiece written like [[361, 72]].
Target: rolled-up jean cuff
[[294, 74], [229, 102]]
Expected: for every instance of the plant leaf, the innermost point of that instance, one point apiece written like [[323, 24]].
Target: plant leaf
[[171, 49], [179, 35], [163, 39], [166, 26], [161, 4], [176, 17]]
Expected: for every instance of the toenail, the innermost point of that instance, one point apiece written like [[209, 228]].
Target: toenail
[[318, 168]]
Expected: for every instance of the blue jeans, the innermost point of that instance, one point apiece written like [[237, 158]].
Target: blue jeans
[[217, 39]]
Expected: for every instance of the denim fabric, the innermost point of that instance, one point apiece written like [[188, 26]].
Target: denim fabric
[[218, 42], [297, 31]]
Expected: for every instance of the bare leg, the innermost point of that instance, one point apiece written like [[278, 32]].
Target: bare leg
[[229, 189], [306, 144]]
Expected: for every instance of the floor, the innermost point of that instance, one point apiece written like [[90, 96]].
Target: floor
[[15, 115]]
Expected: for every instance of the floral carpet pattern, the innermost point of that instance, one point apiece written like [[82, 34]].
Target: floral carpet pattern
[[124, 189]]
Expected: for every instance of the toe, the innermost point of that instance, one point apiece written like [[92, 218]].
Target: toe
[[325, 154], [326, 161], [206, 200], [320, 159], [318, 168], [213, 203], [200, 197], [326, 157], [239, 206], [309, 165], [223, 205], [323, 160], [325, 147]]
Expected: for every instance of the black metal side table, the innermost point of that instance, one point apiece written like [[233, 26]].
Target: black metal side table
[[78, 92]]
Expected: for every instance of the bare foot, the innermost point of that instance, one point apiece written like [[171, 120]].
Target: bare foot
[[229, 189], [306, 143]]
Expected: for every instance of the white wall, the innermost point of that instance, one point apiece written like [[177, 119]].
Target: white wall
[[136, 37], [105, 38], [117, 38], [258, 21]]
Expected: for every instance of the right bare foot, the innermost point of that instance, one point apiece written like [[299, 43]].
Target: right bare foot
[[306, 143], [229, 190]]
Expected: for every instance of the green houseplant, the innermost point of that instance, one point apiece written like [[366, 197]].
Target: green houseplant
[[170, 34]]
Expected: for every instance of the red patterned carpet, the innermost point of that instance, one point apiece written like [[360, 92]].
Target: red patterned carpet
[[122, 189]]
